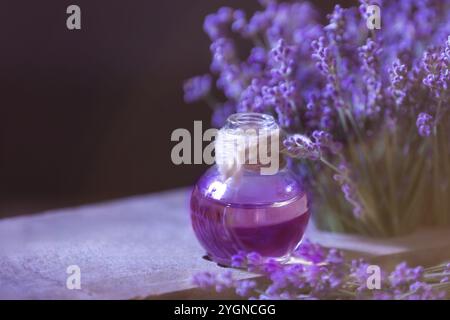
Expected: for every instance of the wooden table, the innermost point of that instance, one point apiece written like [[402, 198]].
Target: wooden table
[[136, 247]]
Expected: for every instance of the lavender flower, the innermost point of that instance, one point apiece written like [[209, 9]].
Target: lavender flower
[[245, 287], [437, 74], [358, 271], [239, 260], [224, 281], [399, 81], [301, 147], [281, 60], [424, 291], [204, 279], [328, 275], [424, 124], [369, 54], [231, 81], [336, 27], [254, 258], [325, 141], [215, 25], [405, 276], [197, 88], [219, 282], [310, 251], [224, 54], [326, 63], [349, 189], [436, 77]]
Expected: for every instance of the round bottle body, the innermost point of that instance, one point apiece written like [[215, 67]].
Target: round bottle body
[[267, 214]]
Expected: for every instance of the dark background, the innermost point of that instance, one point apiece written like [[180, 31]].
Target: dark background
[[87, 115]]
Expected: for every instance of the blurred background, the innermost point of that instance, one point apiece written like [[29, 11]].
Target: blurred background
[[87, 115]]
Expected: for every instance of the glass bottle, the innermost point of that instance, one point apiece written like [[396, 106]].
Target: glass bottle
[[248, 210]]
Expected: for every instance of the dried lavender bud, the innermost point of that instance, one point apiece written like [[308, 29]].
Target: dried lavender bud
[[326, 275], [300, 146]]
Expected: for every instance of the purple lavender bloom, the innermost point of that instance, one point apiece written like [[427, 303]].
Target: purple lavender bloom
[[349, 191], [239, 22], [359, 270], [258, 23], [231, 81], [437, 74], [224, 54], [281, 60], [325, 141], [325, 61], [245, 287], [335, 257], [336, 27], [254, 259], [348, 187], [251, 98], [424, 124], [326, 276], [319, 114], [369, 55], [399, 79], [447, 50], [424, 291], [224, 281], [239, 260], [271, 266], [300, 146], [279, 282], [215, 25], [257, 55], [204, 280], [310, 251], [196, 88], [404, 275]]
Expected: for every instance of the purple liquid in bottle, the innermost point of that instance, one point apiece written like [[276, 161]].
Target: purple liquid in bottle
[[263, 213]]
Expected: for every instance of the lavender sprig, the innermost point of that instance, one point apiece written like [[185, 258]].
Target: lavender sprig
[[326, 274], [424, 123]]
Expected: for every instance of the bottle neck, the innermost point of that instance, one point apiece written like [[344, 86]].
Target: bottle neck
[[251, 121], [249, 141]]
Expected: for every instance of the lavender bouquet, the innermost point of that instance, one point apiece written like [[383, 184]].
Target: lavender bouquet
[[365, 111]]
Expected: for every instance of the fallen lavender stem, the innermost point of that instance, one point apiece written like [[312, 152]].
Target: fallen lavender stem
[[327, 275]]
